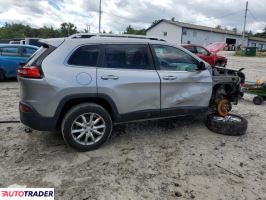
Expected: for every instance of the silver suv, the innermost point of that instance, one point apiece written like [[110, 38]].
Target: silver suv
[[85, 83]]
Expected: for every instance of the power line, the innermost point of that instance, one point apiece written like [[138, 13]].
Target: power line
[[255, 18]]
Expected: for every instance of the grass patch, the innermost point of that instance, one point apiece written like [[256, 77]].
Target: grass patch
[[242, 53]]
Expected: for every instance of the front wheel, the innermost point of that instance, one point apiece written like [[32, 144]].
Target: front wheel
[[86, 126]]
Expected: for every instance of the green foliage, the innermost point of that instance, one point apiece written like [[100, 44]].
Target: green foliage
[[131, 30], [263, 34], [12, 31], [68, 29]]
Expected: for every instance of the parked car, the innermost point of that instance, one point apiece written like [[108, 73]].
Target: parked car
[[209, 53], [27, 41], [11, 56], [86, 83]]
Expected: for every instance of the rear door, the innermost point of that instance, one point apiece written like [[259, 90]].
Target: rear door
[[184, 88], [128, 77]]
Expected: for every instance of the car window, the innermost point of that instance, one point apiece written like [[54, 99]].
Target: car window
[[27, 52], [127, 57], [191, 49], [173, 59], [85, 56], [9, 51], [202, 51]]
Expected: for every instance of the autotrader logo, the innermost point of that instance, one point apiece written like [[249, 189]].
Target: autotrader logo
[[26, 193]]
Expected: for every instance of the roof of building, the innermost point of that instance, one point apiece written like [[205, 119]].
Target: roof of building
[[259, 39], [204, 28]]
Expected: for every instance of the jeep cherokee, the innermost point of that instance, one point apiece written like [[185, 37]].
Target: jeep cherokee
[[85, 83]]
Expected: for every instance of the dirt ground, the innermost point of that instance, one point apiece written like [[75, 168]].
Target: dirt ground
[[166, 159]]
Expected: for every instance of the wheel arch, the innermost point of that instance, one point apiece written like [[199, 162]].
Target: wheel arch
[[228, 88], [69, 102]]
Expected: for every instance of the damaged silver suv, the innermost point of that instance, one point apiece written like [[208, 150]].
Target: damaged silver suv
[[85, 83]]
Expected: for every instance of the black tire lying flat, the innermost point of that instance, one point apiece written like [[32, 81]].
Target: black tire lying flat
[[233, 125], [81, 119]]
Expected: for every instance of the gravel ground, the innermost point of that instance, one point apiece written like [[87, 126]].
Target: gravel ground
[[166, 159]]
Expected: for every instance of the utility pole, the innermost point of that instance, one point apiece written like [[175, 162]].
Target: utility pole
[[100, 15], [244, 28]]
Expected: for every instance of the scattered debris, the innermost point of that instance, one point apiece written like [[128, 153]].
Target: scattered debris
[[238, 175]]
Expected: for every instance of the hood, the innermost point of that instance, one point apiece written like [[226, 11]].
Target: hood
[[216, 47]]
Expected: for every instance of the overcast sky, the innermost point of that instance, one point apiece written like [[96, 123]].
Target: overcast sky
[[117, 14]]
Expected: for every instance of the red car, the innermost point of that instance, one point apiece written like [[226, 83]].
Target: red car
[[209, 53]]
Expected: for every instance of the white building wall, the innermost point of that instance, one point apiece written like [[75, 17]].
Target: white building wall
[[204, 38], [259, 45], [179, 35], [173, 33]]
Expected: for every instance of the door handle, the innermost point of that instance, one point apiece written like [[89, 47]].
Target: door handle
[[169, 77], [108, 77]]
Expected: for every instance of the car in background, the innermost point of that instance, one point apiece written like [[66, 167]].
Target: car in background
[[209, 53], [11, 55]]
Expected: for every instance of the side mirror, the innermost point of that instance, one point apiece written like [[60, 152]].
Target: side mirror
[[201, 66]]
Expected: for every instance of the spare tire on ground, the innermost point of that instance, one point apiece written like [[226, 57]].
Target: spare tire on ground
[[229, 125]]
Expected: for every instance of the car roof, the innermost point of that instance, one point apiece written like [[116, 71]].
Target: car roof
[[18, 45], [121, 38], [104, 39]]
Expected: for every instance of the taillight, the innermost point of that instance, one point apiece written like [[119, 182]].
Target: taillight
[[29, 72], [24, 108]]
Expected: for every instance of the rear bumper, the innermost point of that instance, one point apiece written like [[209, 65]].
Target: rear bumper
[[35, 121]]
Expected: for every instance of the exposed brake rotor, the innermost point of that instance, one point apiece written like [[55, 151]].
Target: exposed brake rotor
[[223, 107]]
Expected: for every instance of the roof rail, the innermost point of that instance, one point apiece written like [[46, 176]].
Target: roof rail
[[89, 35]]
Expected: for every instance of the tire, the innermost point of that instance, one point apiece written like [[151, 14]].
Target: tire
[[79, 118], [2, 76], [258, 100], [241, 95], [233, 125]]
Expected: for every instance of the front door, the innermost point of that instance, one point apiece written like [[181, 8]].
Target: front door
[[184, 88], [128, 77]]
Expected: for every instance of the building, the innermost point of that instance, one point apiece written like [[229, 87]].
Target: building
[[184, 33]]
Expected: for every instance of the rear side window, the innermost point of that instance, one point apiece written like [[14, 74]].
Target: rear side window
[[37, 58], [85, 56], [127, 56], [9, 51], [36, 55]]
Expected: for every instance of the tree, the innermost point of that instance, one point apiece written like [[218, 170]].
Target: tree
[[234, 30], [131, 30], [218, 27], [20, 31], [68, 29], [262, 34]]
